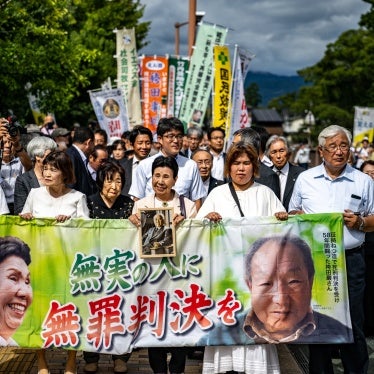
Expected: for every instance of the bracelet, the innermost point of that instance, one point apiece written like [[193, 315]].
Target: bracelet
[[20, 150]]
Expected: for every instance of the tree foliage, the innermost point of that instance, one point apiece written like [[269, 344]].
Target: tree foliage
[[63, 48], [252, 95]]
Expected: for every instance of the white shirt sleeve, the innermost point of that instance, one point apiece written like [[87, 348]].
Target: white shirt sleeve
[[3, 205], [27, 208], [139, 182], [82, 208]]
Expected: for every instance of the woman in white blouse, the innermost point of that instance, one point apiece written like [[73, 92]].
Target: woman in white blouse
[[56, 200], [241, 197]]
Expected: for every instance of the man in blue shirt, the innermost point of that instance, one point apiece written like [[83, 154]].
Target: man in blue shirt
[[334, 186]]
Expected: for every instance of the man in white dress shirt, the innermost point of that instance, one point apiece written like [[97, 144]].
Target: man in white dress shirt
[[170, 136], [335, 186]]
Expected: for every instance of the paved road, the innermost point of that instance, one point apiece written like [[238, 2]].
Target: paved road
[[23, 361]]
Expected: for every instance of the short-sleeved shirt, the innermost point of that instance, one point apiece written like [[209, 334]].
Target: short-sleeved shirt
[[316, 192], [43, 205], [189, 182]]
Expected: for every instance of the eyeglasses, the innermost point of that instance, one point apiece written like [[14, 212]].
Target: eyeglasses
[[333, 148], [172, 137]]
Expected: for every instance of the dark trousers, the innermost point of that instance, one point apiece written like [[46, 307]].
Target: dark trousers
[[354, 356], [90, 357], [369, 285], [158, 359]]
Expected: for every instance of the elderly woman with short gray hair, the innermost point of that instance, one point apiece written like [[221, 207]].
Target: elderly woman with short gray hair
[[38, 148]]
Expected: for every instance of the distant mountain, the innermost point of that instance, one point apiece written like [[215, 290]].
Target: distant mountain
[[272, 85]]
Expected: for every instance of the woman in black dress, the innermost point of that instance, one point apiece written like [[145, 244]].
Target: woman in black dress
[[109, 203]]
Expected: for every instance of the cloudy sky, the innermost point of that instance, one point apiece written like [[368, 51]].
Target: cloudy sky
[[285, 35]]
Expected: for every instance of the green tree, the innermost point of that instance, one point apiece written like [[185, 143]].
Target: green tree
[[341, 80], [62, 48], [252, 95]]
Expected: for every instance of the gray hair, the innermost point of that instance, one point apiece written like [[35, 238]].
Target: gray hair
[[273, 139], [38, 145], [249, 136], [198, 150], [195, 130], [331, 131], [159, 215]]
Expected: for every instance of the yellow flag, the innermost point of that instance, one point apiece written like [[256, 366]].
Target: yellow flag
[[222, 85]]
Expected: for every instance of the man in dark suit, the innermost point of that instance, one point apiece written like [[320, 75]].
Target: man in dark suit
[[83, 144], [141, 140], [278, 152], [158, 238], [204, 161], [267, 176], [216, 137]]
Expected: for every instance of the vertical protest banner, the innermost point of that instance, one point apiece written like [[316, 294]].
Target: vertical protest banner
[[128, 73], [36, 112], [110, 110], [199, 82], [221, 87], [239, 112], [34, 105], [363, 124], [178, 67], [154, 81]]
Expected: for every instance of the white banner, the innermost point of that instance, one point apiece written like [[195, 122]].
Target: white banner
[[245, 58], [127, 74], [110, 110], [239, 114]]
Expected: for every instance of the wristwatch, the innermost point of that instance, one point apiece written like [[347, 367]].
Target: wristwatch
[[362, 224]]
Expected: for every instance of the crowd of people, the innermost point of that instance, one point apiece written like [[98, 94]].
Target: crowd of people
[[64, 174]]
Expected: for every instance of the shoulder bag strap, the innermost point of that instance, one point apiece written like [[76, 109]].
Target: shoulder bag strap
[[235, 196], [182, 206]]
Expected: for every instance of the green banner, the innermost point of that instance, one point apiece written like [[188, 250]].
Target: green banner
[[199, 81], [178, 67], [242, 281]]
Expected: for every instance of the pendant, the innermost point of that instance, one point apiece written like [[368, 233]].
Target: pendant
[[164, 204]]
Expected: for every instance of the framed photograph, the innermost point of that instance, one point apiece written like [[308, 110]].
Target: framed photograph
[[157, 232]]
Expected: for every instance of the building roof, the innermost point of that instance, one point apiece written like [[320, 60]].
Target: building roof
[[266, 115]]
